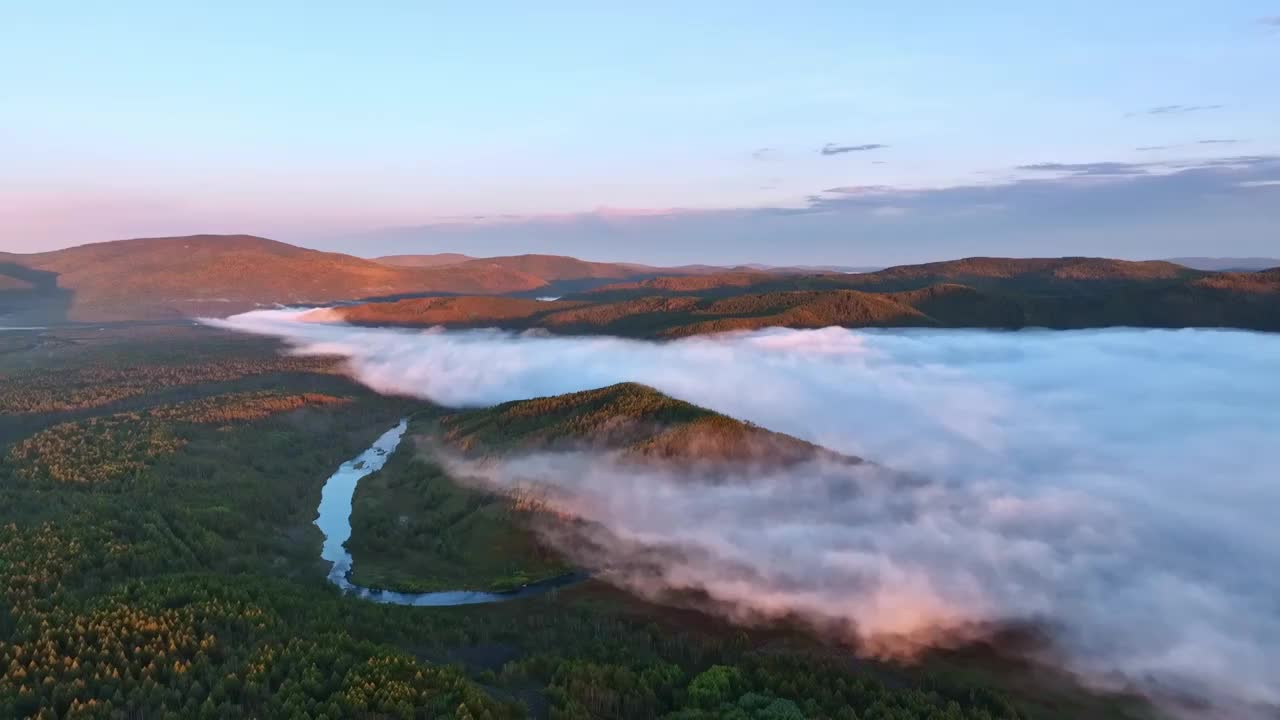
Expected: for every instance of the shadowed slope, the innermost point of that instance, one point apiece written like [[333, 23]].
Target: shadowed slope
[[1030, 275]]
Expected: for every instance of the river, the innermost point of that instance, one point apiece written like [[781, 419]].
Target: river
[[334, 520]]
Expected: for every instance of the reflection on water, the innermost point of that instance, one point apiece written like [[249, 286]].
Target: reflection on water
[[334, 521]]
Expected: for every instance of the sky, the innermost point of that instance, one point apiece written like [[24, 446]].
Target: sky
[[833, 132]]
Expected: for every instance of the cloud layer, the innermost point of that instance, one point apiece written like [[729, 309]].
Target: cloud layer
[[1116, 485], [1138, 210]]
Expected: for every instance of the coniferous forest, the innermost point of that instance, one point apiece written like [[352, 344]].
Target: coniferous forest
[[158, 559]]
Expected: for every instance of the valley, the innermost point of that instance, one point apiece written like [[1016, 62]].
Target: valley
[[195, 550], [159, 472]]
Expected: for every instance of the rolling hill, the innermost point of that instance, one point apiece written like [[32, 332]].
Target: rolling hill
[[153, 279], [1026, 275], [157, 278], [179, 277], [690, 315], [1228, 264], [460, 311], [433, 260], [567, 274], [172, 278], [634, 419], [559, 267], [1072, 296]]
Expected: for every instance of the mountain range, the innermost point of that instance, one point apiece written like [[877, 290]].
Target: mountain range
[[158, 279], [975, 292], [178, 277], [1232, 264]]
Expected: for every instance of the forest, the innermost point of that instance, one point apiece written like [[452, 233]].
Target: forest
[[159, 560], [971, 293]]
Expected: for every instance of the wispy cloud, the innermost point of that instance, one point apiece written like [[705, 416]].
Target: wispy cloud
[[1176, 109], [858, 189], [834, 149], [1182, 198], [764, 153], [1224, 141], [1090, 168], [1150, 148], [1233, 161], [1159, 208]]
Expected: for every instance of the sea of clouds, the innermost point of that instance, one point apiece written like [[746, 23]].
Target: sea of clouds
[[1118, 486]]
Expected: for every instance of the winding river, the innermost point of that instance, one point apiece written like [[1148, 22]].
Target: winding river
[[334, 521]]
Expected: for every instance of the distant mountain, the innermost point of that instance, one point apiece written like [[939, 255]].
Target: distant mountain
[[569, 268], [155, 278], [936, 306], [560, 267], [1221, 264], [159, 278], [1070, 293], [1034, 275], [173, 278], [420, 261], [461, 311], [813, 268], [552, 268]]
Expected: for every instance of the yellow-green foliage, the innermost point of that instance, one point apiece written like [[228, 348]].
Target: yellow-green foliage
[[629, 417], [183, 648], [33, 563], [616, 414], [120, 447], [80, 388], [383, 685], [240, 407], [94, 451]]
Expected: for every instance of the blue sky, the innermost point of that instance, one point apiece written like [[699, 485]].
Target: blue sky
[[693, 128]]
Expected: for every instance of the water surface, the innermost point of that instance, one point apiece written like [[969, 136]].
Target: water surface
[[334, 520]]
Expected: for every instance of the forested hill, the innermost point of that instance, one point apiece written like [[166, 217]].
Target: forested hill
[[173, 279], [628, 417], [180, 277], [157, 278], [1066, 275], [1090, 295]]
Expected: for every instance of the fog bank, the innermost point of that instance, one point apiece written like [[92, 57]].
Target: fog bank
[[1118, 485]]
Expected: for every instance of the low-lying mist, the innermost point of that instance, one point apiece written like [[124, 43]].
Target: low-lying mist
[[1117, 486]]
